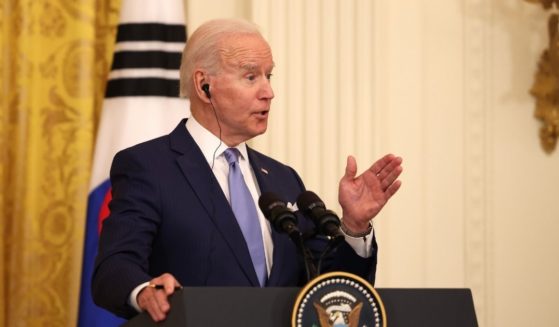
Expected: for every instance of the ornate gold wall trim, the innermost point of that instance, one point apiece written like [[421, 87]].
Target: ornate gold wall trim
[[545, 88]]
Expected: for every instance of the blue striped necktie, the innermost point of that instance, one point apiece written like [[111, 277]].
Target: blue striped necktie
[[244, 209]]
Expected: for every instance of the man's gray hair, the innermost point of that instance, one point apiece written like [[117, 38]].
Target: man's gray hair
[[202, 48]]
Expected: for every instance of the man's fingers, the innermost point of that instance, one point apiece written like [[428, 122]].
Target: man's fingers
[[165, 282], [391, 176], [383, 167], [379, 165], [154, 302], [153, 298], [156, 310]]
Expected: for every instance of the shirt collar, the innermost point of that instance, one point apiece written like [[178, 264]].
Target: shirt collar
[[207, 142]]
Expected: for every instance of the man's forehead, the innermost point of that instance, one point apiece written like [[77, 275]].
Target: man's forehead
[[247, 52], [238, 40]]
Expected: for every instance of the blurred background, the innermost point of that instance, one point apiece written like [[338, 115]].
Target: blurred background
[[443, 83]]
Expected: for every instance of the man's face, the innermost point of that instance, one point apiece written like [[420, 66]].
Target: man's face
[[241, 91]]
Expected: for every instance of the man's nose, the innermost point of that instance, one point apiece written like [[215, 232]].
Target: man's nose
[[266, 91]]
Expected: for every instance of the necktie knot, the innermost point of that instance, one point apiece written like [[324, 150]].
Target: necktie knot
[[231, 155]]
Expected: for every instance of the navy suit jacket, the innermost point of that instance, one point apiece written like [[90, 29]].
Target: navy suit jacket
[[169, 214]]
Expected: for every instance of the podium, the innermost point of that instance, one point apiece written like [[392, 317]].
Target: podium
[[272, 307]]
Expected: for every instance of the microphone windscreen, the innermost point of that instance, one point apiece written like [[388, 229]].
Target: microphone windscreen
[[309, 200], [268, 201]]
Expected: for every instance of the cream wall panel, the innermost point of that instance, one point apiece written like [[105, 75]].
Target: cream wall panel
[[328, 83], [277, 35], [199, 11], [346, 111], [294, 106], [444, 139], [443, 144], [399, 65], [525, 185], [312, 96], [366, 125]]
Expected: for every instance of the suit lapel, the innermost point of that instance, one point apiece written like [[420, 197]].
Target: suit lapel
[[265, 179], [201, 179]]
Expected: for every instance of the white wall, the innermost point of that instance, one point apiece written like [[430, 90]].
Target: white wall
[[444, 84], [525, 181]]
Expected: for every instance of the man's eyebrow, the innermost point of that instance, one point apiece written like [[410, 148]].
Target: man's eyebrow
[[252, 67], [249, 67]]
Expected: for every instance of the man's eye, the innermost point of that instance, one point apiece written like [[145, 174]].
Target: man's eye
[[251, 77], [269, 76]]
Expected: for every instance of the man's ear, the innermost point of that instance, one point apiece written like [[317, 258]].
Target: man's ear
[[201, 86]]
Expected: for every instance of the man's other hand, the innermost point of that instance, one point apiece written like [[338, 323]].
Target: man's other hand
[[153, 298]]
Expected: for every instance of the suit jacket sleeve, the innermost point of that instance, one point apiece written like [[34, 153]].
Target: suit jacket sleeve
[[125, 244]]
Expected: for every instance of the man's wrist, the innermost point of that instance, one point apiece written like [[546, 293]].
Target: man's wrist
[[354, 232], [133, 298]]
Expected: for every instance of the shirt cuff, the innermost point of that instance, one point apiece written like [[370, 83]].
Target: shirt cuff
[[361, 245], [132, 300]]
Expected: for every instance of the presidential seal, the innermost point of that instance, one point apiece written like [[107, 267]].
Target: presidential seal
[[338, 299]]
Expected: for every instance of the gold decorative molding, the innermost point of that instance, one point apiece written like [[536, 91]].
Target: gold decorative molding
[[546, 83]]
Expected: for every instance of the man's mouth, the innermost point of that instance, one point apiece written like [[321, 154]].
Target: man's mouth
[[262, 113]]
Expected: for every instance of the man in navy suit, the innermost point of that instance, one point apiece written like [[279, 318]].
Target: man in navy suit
[[171, 221]]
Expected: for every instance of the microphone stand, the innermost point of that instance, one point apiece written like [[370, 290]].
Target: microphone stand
[[333, 243], [296, 237]]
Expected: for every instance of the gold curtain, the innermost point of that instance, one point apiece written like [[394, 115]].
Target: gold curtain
[[54, 59]]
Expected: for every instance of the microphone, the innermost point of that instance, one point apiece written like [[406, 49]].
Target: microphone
[[326, 221], [275, 210], [284, 221]]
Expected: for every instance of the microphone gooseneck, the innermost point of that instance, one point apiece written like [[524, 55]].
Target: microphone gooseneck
[[326, 222], [283, 220]]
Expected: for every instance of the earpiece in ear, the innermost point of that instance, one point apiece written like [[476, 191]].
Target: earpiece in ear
[[206, 89]]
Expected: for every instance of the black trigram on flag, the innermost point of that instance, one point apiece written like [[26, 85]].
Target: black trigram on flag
[[146, 60]]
